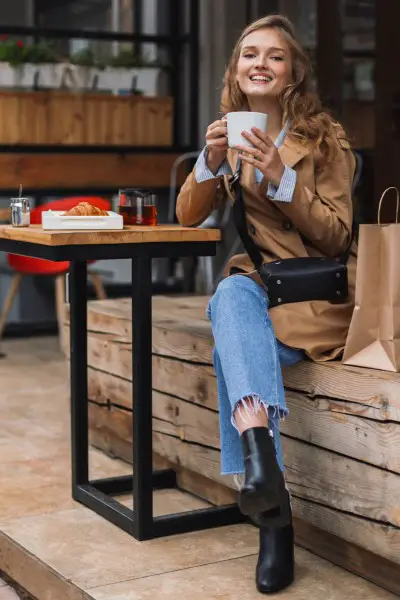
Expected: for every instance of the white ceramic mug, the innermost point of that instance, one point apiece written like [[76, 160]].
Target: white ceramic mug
[[243, 121]]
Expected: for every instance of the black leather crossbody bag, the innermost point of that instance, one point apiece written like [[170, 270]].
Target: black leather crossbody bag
[[293, 279]]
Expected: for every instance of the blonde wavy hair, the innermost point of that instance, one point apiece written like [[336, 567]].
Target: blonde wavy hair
[[309, 122]]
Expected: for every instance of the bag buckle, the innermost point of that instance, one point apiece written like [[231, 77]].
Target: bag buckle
[[233, 179]]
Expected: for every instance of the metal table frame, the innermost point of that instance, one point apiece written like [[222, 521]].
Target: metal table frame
[[98, 494]]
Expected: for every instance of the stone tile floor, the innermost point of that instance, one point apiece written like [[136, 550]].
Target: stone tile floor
[[60, 550]]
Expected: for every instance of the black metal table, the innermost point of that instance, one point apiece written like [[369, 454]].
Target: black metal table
[[140, 245]]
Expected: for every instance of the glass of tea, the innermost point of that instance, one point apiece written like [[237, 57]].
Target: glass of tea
[[137, 207]]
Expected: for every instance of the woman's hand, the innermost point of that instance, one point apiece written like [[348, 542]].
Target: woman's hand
[[217, 144], [264, 156]]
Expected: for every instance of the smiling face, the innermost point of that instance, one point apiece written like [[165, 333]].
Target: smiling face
[[264, 67]]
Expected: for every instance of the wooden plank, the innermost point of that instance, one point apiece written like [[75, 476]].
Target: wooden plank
[[129, 235], [194, 383], [342, 483], [377, 538], [108, 318], [172, 415], [66, 119], [377, 389], [106, 355], [345, 554], [313, 421], [190, 381], [345, 427], [110, 429], [175, 333], [197, 458], [85, 171], [9, 119], [185, 341], [189, 422], [127, 120], [34, 125], [106, 389], [152, 121]]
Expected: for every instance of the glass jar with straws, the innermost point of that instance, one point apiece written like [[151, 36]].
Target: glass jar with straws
[[20, 211]]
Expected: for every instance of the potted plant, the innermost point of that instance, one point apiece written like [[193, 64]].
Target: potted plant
[[84, 69], [13, 71], [28, 65], [127, 72]]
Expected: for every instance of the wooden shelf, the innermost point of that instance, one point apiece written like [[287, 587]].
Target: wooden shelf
[[85, 171], [53, 117]]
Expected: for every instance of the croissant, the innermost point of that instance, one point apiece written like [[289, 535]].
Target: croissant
[[84, 209]]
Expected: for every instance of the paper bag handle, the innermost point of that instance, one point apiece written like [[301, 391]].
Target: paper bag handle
[[397, 203]]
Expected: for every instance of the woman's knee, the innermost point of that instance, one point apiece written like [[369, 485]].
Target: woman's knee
[[235, 292], [230, 286]]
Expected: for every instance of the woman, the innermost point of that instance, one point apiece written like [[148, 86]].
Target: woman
[[296, 185]]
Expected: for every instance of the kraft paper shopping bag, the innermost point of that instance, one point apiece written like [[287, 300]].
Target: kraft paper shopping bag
[[374, 334]]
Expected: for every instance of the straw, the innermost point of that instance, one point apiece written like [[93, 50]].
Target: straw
[[20, 190]]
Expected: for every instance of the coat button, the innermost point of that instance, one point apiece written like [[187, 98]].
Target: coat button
[[287, 225], [252, 229]]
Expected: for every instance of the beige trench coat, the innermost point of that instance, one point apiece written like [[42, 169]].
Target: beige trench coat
[[321, 210]]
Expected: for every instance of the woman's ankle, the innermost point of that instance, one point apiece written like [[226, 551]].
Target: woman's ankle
[[250, 412]]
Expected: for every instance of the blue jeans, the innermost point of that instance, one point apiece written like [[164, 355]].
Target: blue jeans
[[247, 362]]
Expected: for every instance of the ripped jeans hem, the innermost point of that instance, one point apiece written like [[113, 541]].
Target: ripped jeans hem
[[258, 404], [235, 472]]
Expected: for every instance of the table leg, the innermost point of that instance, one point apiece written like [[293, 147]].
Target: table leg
[[79, 384], [142, 398]]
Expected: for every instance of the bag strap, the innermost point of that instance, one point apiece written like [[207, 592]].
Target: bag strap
[[240, 220]]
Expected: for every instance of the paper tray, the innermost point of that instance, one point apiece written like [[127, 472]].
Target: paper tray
[[54, 219]]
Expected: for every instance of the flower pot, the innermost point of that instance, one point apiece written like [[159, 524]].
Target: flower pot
[[19, 77], [120, 80], [78, 77], [50, 75], [28, 75]]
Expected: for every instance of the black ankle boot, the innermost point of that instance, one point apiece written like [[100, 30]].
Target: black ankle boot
[[275, 566], [264, 485]]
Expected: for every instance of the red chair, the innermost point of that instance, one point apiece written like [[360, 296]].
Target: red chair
[[25, 265]]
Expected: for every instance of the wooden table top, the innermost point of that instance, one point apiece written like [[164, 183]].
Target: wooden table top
[[129, 235]]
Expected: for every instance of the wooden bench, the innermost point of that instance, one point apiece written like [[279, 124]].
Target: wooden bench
[[341, 441]]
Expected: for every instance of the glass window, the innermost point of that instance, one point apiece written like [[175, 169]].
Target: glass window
[[303, 14], [358, 22]]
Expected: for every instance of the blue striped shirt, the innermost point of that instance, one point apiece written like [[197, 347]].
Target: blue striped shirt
[[283, 193]]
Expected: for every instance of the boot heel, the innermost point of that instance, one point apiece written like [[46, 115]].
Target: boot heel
[[264, 482], [257, 501], [277, 517], [275, 569]]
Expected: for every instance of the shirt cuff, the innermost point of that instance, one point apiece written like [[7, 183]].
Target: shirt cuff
[[202, 171], [285, 191]]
